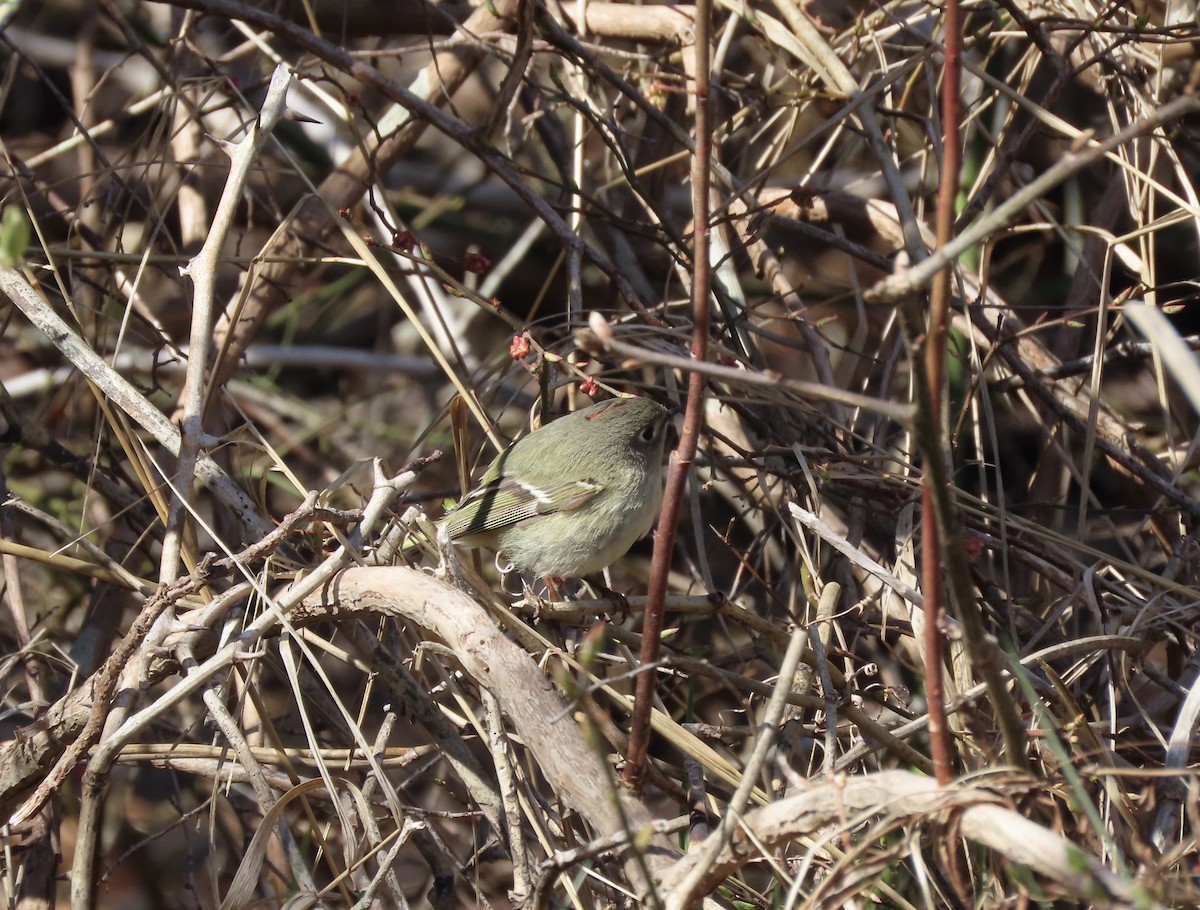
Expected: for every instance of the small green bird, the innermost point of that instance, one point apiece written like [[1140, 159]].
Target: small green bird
[[574, 495]]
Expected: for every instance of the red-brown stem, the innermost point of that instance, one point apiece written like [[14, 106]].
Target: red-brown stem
[[685, 452], [935, 370]]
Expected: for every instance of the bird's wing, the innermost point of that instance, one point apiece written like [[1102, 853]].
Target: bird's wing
[[505, 501]]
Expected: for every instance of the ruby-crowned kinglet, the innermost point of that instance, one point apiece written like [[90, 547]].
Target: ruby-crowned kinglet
[[572, 496]]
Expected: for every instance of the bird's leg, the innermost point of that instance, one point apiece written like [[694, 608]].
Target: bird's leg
[[553, 587]]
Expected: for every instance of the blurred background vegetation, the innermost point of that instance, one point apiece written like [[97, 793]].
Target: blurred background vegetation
[[467, 187]]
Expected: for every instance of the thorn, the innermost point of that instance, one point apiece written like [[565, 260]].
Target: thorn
[[292, 114]]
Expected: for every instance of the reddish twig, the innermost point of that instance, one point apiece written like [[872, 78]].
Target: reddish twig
[[935, 369], [685, 452]]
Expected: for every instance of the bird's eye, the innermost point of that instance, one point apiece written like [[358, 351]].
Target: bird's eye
[[648, 434]]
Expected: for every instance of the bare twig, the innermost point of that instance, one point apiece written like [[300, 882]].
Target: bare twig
[[898, 286], [685, 452]]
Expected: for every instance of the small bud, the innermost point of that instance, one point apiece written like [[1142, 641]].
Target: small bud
[[520, 347], [476, 263]]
